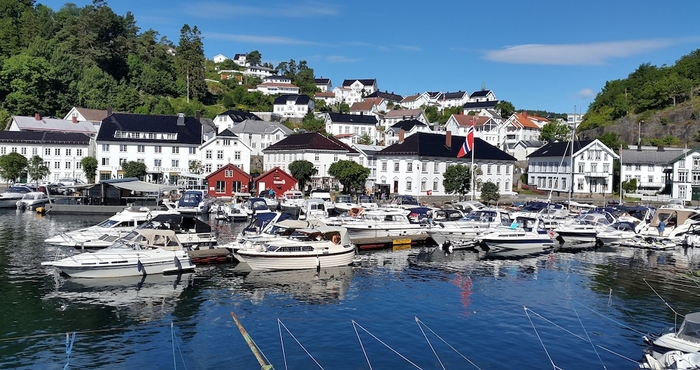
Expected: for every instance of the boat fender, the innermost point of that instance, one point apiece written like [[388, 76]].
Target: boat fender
[[336, 239], [258, 248]]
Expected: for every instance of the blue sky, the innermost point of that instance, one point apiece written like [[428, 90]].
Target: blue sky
[[548, 55]]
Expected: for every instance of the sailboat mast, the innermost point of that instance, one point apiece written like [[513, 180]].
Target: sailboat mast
[[571, 160]]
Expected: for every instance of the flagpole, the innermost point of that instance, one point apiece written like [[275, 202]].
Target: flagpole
[[472, 168], [620, 173]]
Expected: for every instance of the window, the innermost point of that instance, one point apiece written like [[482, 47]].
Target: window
[[316, 157], [563, 183], [79, 152], [220, 186], [47, 151], [424, 167], [158, 149], [384, 166], [57, 164], [628, 167], [207, 168], [594, 167], [682, 176], [175, 163], [23, 150], [606, 167], [105, 161], [682, 191], [228, 173], [409, 184], [650, 168], [67, 165], [105, 147], [237, 156], [35, 151], [681, 163], [141, 148], [650, 178], [396, 166], [579, 186], [423, 184], [122, 161], [207, 154], [335, 158], [409, 167], [488, 169], [597, 155], [637, 167], [193, 150], [176, 150], [122, 148], [581, 167], [68, 151], [157, 162], [57, 151], [498, 170], [236, 186], [227, 142], [219, 154], [435, 184]]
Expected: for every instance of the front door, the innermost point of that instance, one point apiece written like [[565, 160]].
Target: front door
[[396, 186], [696, 193]]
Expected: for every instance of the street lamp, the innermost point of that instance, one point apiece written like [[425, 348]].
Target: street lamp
[[73, 168]]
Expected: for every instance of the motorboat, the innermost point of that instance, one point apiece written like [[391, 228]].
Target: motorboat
[[543, 210], [685, 340], [108, 231], [367, 202], [584, 228], [447, 215], [141, 252], [344, 203], [524, 234], [232, 212], [403, 201], [313, 248], [677, 222], [328, 205], [33, 200], [313, 208], [194, 201], [676, 360], [9, 197], [291, 201], [253, 206], [617, 233], [462, 232], [381, 222], [192, 232]]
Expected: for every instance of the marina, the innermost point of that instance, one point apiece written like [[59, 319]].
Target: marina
[[139, 321]]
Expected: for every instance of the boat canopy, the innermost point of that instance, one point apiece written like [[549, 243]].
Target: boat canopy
[[690, 329], [177, 222], [143, 187]]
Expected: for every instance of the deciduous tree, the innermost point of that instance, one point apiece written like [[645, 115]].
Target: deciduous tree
[[457, 179], [489, 192], [37, 169], [134, 169], [350, 174], [13, 166], [89, 165], [302, 170]]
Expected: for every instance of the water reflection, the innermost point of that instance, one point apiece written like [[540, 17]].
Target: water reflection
[[325, 285]]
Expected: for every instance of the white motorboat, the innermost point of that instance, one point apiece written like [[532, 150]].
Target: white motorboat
[[9, 197], [253, 206], [584, 228], [142, 252], [313, 208], [106, 232], [462, 232], [194, 201], [192, 232], [232, 212], [617, 233], [543, 210], [367, 202], [344, 203], [315, 248], [524, 234], [328, 205], [381, 222], [677, 223], [33, 200], [686, 339], [675, 360], [291, 201], [403, 201]]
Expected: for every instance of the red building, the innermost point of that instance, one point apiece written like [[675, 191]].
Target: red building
[[227, 181], [276, 179]]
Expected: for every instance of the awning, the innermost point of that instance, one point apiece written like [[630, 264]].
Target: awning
[[144, 187]]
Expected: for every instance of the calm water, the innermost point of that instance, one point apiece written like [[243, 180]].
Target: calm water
[[344, 317]]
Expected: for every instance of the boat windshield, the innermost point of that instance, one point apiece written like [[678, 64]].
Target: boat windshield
[[365, 199], [343, 199], [690, 329], [108, 223]]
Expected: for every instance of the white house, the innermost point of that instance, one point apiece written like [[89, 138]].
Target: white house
[[258, 135], [415, 166], [167, 145], [39, 123], [653, 168], [328, 97], [223, 149], [390, 97], [415, 101], [402, 129], [280, 79], [356, 124], [313, 147], [684, 175], [485, 127], [394, 116], [258, 71], [323, 84], [230, 118], [293, 106], [452, 99], [591, 171], [94, 116], [368, 158], [272, 88], [516, 128], [365, 107], [240, 59], [480, 100], [352, 91], [219, 58]]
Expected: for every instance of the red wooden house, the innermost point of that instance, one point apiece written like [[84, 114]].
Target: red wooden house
[[227, 181], [277, 180]]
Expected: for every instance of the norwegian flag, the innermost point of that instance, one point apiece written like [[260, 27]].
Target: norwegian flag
[[468, 142]]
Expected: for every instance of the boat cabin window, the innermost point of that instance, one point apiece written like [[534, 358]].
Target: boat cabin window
[[690, 331]]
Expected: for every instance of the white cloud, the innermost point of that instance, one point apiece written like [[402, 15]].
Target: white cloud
[[215, 9], [408, 48], [254, 39], [576, 54], [340, 59], [585, 93]]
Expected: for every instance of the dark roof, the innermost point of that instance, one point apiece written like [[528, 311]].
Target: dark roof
[[425, 144], [318, 81], [454, 95], [364, 81], [559, 149], [386, 95], [480, 104], [353, 118], [298, 99], [240, 116], [190, 132], [239, 55], [480, 93], [407, 124], [226, 132], [44, 137], [310, 141]]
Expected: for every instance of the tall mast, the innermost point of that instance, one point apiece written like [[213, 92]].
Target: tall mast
[[571, 158]]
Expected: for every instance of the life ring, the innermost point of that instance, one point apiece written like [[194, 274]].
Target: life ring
[[336, 239]]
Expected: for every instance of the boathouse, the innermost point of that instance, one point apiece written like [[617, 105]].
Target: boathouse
[[277, 180], [227, 181]]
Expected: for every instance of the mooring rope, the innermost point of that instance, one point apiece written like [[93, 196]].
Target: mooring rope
[[429, 344], [70, 340], [554, 366], [662, 300], [588, 336], [364, 352], [179, 349], [444, 341], [354, 323], [610, 319], [580, 337], [281, 325]]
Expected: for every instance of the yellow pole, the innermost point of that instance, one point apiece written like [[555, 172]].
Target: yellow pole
[[253, 347]]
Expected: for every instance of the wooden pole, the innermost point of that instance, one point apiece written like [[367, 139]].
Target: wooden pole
[[253, 347]]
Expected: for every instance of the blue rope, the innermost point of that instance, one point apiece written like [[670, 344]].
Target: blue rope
[[69, 348]]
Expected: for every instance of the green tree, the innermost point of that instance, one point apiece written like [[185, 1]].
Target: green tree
[[134, 169], [313, 124], [350, 174], [554, 131], [302, 170], [27, 85], [189, 62], [611, 140], [457, 179], [37, 169], [196, 167], [506, 108], [254, 58], [365, 139], [489, 192], [89, 165], [629, 186], [13, 166], [96, 89]]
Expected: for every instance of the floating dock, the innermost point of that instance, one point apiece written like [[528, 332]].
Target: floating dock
[[211, 256], [392, 242]]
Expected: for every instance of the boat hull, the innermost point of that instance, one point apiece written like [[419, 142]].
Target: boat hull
[[518, 243], [119, 267], [270, 261]]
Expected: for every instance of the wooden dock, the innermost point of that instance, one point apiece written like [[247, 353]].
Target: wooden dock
[[211, 256], [392, 242]]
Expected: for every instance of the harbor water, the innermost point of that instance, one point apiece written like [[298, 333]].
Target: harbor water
[[418, 308]]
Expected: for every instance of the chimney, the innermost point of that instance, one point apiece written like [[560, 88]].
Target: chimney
[[448, 139], [198, 116], [180, 119], [75, 119], [525, 113], [37, 116], [660, 149], [639, 146], [109, 111], [401, 135]]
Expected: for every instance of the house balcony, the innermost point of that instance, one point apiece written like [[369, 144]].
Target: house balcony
[[603, 175], [650, 185]]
